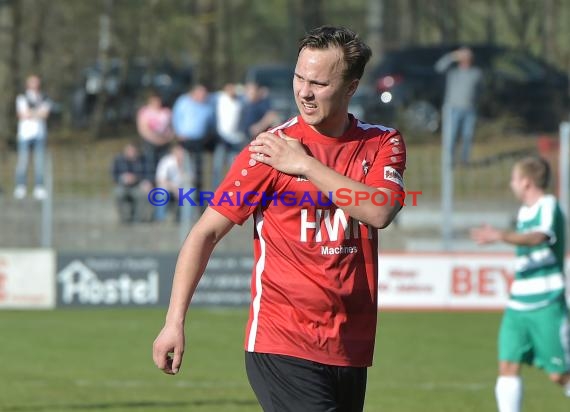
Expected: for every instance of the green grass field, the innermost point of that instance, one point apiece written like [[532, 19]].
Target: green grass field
[[100, 360]]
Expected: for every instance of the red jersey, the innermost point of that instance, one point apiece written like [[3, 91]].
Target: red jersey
[[315, 278]]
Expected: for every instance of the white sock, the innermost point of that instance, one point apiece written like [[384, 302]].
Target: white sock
[[509, 391], [567, 389]]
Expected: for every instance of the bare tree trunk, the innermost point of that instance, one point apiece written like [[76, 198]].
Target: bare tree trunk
[[105, 39], [454, 21], [14, 84], [409, 22], [405, 23], [375, 26], [566, 49], [548, 30], [414, 21], [146, 31], [391, 30], [448, 21], [436, 19], [208, 42], [312, 12], [293, 28], [38, 35], [519, 16], [490, 21], [226, 58]]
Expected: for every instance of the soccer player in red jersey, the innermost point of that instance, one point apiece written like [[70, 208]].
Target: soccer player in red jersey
[[309, 184]]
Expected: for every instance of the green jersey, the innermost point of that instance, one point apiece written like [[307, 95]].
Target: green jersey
[[539, 270]]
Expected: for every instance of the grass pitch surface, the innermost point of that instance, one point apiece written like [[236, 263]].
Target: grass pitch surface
[[100, 360]]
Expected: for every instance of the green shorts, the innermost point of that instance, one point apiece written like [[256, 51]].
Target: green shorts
[[537, 337]]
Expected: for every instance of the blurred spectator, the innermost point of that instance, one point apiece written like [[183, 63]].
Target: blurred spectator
[[231, 139], [153, 125], [462, 90], [132, 185], [193, 118], [32, 108], [257, 115], [174, 171]]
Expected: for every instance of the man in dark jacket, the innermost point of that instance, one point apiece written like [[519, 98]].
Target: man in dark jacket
[[132, 184]]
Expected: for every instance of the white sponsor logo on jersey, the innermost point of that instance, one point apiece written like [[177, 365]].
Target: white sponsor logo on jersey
[[392, 175], [365, 166], [338, 250], [336, 225]]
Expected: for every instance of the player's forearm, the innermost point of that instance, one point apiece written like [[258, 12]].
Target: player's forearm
[[523, 239], [194, 255], [357, 198], [43, 113], [444, 62], [190, 266], [28, 114]]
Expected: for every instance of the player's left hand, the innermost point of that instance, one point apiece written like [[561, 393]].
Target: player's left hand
[[281, 152]]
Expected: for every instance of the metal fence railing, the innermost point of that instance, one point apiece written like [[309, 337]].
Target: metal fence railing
[[80, 213]]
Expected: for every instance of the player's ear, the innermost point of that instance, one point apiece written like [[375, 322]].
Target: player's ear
[[352, 86]]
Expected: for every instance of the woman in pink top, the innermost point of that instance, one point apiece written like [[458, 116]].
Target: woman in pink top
[[153, 125]]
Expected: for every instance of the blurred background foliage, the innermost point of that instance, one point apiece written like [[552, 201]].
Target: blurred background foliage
[[220, 38]]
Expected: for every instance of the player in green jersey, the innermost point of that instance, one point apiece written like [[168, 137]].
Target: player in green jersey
[[535, 328]]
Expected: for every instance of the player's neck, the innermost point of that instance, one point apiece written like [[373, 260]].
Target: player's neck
[[532, 196], [334, 128]]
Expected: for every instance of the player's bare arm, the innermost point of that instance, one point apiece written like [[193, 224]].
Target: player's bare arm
[[488, 234], [168, 348], [289, 156]]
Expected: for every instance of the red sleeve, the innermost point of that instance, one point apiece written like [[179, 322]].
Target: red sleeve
[[387, 169], [244, 188]]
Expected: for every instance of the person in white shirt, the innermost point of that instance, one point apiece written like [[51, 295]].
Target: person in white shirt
[[173, 172], [32, 108], [228, 114]]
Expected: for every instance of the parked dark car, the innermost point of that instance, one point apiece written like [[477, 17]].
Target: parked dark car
[[125, 85], [514, 83]]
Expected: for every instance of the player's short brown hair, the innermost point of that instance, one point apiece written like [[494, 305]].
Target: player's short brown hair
[[355, 52], [536, 169]]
